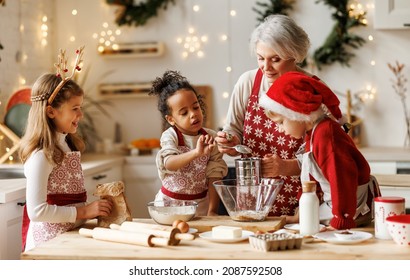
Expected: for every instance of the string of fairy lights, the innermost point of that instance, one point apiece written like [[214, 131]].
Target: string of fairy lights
[[192, 44]]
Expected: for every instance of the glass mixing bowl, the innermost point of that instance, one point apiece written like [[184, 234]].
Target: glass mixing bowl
[[248, 203]]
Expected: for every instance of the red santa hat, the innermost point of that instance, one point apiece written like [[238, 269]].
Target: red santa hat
[[299, 97]]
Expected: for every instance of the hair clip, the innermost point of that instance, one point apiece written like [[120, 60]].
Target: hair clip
[[62, 70]]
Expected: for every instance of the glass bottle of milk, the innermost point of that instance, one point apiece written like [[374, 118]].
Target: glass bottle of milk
[[309, 209]]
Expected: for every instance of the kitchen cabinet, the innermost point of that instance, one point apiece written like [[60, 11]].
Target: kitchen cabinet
[[392, 14], [11, 217], [141, 183]]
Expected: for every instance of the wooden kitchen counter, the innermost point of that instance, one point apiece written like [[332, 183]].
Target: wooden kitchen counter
[[73, 246]]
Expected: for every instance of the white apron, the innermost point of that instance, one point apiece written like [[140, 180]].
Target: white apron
[[309, 166]]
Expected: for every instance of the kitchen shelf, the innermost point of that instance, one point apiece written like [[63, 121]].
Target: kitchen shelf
[[135, 50]]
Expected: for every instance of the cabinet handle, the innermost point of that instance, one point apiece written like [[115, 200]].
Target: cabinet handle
[[406, 24], [21, 203], [99, 177]]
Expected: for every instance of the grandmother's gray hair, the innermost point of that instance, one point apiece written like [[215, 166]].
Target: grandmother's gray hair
[[282, 33]]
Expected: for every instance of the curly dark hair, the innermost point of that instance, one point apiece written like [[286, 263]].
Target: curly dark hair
[[166, 86]]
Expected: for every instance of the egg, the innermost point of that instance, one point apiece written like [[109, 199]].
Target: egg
[[183, 227], [176, 222]]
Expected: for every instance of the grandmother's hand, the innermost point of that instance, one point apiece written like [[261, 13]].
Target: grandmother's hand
[[272, 165], [225, 139]]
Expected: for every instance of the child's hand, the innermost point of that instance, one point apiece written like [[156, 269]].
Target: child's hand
[[204, 145], [96, 208]]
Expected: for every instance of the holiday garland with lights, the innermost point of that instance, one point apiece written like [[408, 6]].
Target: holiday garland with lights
[[137, 14], [334, 49], [275, 7]]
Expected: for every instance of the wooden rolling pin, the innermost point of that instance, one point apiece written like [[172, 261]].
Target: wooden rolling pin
[[173, 234], [134, 238]]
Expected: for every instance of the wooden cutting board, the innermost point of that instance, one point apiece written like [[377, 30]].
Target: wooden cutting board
[[206, 223]]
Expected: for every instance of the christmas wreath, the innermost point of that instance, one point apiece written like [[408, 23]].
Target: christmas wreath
[[334, 49], [137, 14]]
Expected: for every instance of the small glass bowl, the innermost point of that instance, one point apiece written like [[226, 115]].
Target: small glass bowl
[[166, 212]]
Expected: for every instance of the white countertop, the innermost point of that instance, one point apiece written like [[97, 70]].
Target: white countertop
[[397, 154], [12, 189]]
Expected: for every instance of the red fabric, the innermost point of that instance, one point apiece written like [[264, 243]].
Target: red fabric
[[303, 94], [343, 166], [183, 196], [260, 134], [52, 199]]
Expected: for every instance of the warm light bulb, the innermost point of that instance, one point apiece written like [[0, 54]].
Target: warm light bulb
[[95, 35], [179, 40], [195, 8], [115, 46], [200, 53], [228, 69], [232, 13], [117, 32], [105, 25], [74, 12], [224, 37], [100, 49], [72, 38], [225, 94], [44, 19], [372, 63], [191, 30], [204, 38], [370, 37]]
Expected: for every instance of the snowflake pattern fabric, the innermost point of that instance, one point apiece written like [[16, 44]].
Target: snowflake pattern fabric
[[262, 135], [65, 178], [191, 179]]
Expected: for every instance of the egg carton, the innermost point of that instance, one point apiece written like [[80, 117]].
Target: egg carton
[[276, 241]]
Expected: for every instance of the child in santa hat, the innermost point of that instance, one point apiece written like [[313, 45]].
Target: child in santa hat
[[329, 156]]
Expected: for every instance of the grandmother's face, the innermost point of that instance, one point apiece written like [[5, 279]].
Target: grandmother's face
[[271, 64]]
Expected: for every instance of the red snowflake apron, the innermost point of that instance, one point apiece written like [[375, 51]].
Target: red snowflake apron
[[65, 187], [261, 134]]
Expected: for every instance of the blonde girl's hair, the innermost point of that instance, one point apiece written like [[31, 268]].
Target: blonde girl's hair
[[41, 133]]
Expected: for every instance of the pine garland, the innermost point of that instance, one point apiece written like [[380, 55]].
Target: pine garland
[[275, 7], [335, 46], [139, 14], [334, 49]]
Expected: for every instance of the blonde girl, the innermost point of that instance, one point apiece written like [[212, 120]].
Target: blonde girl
[[50, 150]]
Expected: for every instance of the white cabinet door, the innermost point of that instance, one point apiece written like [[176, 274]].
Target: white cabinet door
[[392, 14], [11, 217], [105, 176], [380, 167], [141, 185]]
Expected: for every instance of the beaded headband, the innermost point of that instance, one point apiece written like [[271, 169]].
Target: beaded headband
[[61, 67]]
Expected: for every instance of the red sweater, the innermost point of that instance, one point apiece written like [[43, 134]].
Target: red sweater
[[343, 166]]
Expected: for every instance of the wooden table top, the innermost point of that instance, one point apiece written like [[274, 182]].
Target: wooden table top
[[71, 245]]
